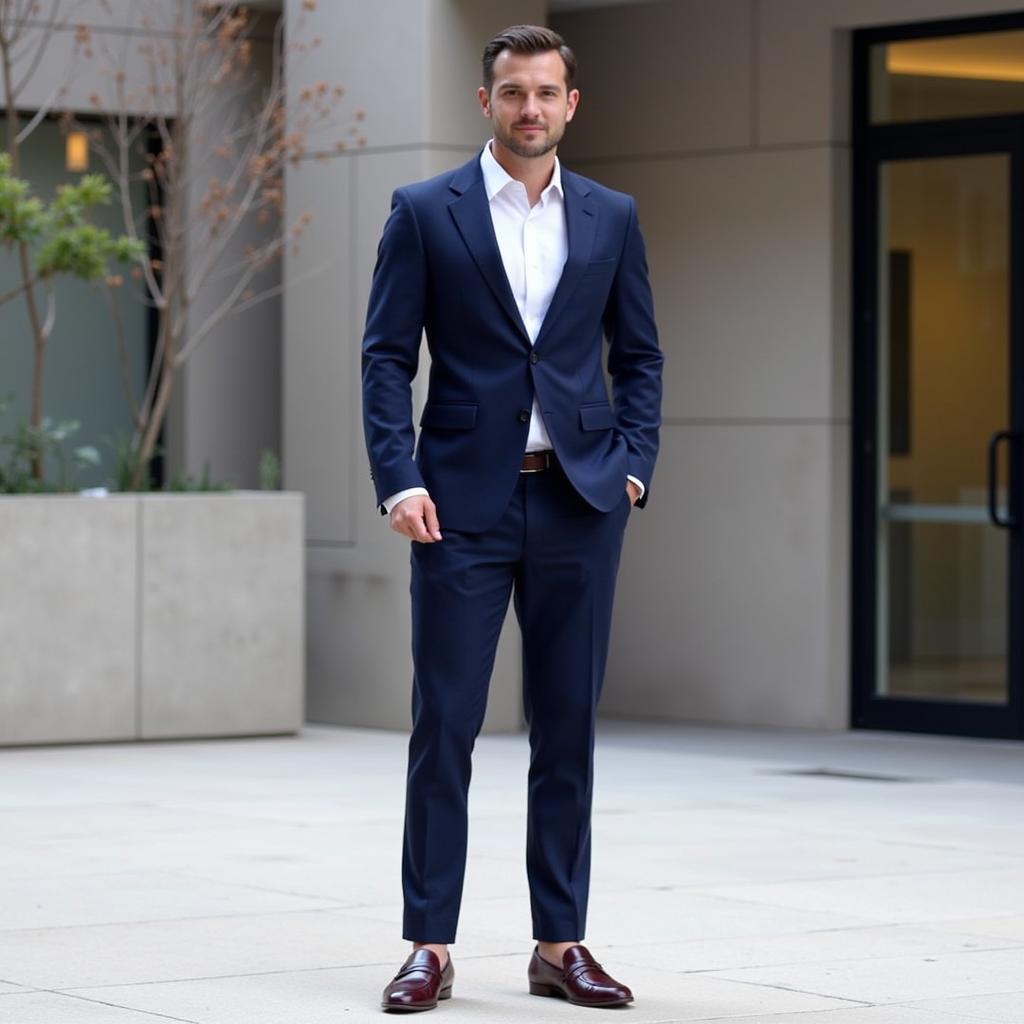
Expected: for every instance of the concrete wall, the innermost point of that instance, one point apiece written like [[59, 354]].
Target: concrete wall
[[229, 408], [730, 123], [227, 405], [412, 66]]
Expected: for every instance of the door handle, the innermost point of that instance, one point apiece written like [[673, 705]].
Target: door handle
[[1009, 523]]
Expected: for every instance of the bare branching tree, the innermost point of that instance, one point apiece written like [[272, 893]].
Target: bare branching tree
[[187, 106]]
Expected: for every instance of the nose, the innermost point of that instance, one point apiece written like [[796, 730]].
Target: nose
[[531, 108]]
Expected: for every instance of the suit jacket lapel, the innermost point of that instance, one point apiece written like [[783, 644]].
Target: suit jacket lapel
[[472, 216], [581, 223]]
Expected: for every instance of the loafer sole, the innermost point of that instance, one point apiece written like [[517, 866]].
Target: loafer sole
[[538, 988], [445, 993]]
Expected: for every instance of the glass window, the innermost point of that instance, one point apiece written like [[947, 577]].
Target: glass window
[[91, 356], [950, 76]]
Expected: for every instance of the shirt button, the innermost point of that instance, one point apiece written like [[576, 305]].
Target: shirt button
[[534, 358], [524, 415]]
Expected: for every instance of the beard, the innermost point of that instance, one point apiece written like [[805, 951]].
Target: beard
[[527, 147]]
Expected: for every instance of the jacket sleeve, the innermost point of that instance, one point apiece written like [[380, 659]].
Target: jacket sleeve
[[390, 352], [634, 357]]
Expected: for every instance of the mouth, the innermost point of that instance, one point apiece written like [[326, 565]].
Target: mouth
[[529, 128]]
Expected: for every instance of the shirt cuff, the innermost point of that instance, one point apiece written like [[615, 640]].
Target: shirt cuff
[[639, 484], [390, 502]]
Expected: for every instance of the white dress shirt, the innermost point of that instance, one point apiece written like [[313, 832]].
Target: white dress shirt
[[534, 245]]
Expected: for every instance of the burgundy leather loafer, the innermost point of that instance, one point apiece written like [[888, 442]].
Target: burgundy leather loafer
[[580, 979], [419, 983]]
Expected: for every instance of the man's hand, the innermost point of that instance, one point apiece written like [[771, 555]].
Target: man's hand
[[416, 517], [633, 491]]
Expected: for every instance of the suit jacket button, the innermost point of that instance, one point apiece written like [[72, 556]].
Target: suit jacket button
[[534, 358], [524, 415]]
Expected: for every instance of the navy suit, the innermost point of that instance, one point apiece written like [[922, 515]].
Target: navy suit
[[552, 538]]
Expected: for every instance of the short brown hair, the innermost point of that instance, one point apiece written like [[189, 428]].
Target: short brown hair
[[527, 39]]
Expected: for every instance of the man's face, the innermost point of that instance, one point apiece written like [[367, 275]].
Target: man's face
[[529, 104]]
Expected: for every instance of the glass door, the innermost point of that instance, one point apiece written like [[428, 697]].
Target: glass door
[[938, 434], [937, 475]]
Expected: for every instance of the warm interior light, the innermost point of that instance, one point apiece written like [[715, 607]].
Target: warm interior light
[[997, 57], [77, 152]]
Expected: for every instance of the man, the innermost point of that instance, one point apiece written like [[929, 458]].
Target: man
[[521, 483]]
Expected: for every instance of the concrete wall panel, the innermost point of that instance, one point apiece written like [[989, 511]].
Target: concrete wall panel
[[67, 621], [739, 248], [660, 77], [377, 52], [221, 613], [232, 382], [737, 626], [317, 365]]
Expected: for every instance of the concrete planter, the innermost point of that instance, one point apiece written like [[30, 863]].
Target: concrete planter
[[151, 616]]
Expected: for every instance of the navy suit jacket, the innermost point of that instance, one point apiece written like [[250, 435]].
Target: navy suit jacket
[[439, 269]]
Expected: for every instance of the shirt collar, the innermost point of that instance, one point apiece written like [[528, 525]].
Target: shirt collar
[[496, 177]]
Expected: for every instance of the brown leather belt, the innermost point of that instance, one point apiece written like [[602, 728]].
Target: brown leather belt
[[534, 462]]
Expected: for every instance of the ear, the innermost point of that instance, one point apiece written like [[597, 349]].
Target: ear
[[485, 101], [572, 101]]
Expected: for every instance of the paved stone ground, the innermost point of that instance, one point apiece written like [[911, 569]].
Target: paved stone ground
[[257, 880]]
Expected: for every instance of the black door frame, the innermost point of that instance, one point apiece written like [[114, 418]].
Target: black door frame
[[873, 144]]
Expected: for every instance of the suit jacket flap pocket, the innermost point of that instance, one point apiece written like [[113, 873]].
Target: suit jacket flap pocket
[[449, 415], [596, 417]]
